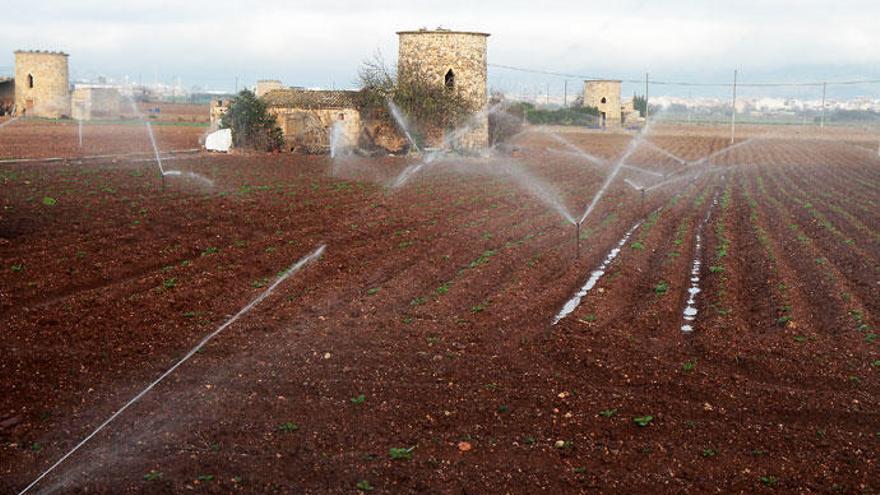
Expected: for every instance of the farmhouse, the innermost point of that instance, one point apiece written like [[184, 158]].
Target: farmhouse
[[307, 117], [42, 88]]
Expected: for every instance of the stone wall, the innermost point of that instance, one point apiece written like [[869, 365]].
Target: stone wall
[[439, 54], [604, 95], [308, 129], [42, 88]]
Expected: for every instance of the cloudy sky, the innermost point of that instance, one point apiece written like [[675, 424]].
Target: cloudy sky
[[321, 43]]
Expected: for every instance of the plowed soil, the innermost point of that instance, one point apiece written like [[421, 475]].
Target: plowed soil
[[426, 325]]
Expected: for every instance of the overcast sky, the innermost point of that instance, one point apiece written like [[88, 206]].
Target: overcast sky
[[321, 43]]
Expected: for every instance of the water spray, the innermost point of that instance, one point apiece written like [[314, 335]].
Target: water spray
[[314, 255]]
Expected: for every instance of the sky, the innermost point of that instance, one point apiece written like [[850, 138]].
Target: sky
[[213, 44]]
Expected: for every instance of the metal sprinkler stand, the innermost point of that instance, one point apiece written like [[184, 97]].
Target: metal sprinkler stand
[[643, 200], [578, 239]]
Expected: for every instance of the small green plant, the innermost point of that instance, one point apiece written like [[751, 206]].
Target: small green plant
[[579, 470], [152, 475], [262, 282], [288, 427], [49, 201], [689, 366], [503, 409], [400, 453], [17, 268], [364, 486], [590, 318], [479, 307], [205, 477], [360, 399], [769, 480], [709, 453], [783, 320], [876, 363], [716, 269], [443, 289], [373, 291], [661, 288], [643, 421], [637, 245], [36, 446], [800, 338], [169, 283], [418, 301], [607, 413], [209, 251], [189, 314], [870, 338], [529, 440]]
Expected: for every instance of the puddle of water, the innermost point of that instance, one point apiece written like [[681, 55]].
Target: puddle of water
[[690, 311], [595, 275]]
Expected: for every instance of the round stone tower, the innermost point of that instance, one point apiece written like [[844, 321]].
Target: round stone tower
[[604, 95], [42, 88], [456, 60]]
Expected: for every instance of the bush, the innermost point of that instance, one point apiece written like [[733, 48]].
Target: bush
[[252, 125], [506, 121], [430, 107], [585, 116]]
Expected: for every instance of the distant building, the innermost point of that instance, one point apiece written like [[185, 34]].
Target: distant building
[[42, 87], [306, 117], [266, 85], [604, 95], [456, 60], [89, 102], [219, 107]]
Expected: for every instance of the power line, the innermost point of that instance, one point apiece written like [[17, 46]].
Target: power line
[[692, 83]]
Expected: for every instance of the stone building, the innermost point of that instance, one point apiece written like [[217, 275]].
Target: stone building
[[89, 102], [605, 95], [456, 60], [307, 117], [7, 95], [266, 85], [42, 87]]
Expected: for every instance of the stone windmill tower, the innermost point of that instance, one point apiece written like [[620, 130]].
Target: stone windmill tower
[[42, 87], [456, 60]]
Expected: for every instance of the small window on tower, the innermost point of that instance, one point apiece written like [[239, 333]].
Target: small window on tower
[[30, 80], [604, 100], [449, 80], [341, 116]]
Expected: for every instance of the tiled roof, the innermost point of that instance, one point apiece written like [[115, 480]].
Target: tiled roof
[[309, 98]]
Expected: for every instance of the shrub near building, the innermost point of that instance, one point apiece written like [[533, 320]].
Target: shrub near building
[[252, 125]]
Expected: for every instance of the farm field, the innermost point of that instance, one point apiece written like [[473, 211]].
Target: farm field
[[419, 354]]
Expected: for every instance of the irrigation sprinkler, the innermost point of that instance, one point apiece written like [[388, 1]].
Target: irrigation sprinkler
[[314, 255], [578, 239]]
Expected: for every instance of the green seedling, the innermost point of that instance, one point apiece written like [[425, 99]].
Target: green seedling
[[373, 291], [607, 413], [709, 453], [152, 476], [661, 288], [288, 427], [49, 201], [360, 399], [364, 486], [769, 480], [689, 366], [400, 453], [643, 421]]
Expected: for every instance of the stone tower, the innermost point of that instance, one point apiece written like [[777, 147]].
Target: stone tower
[[42, 88], [604, 95], [266, 85], [456, 60]]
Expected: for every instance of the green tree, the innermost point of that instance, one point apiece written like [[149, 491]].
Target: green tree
[[251, 123], [640, 104]]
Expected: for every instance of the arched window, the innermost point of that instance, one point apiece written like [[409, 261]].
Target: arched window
[[30, 80], [449, 80], [604, 100]]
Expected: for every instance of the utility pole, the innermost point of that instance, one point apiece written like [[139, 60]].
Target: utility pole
[[646, 98], [236, 84], [822, 121], [565, 94], [733, 112]]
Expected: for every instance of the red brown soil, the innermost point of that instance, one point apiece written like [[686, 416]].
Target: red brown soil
[[40, 138], [434, 302]]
